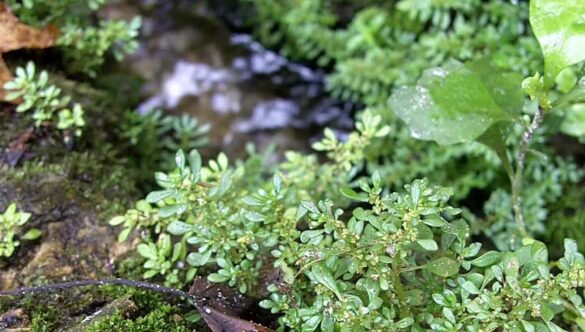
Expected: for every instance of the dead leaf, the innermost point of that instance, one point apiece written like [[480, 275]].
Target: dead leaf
[[5, 76], [221, 322], [15, 35], [219, 304], [17, 148]]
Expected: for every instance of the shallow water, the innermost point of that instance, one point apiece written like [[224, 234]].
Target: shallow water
[[194, 64]]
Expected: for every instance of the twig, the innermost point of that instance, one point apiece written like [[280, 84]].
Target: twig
[[520, 164]]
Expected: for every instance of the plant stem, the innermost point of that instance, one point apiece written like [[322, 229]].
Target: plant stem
[[520, 164]]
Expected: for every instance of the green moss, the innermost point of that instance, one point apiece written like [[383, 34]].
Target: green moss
[[51, 312], [163, 318]]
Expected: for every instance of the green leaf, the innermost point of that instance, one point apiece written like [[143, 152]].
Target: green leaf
[[459, 228], [147, 251], [167, 211], [157, 196], [435, 221], [444, 267], [217, 278], [404, 323], [428, 245], [31, 234], [277, 182], [179, 228], [124, 234], [487, 259], [199, 259], [560, 29], [324, 277], [117, 220], [470, 287], [180, 159], [458, 103], [574, 121], [195, 163], [254, 216], [352, 194]]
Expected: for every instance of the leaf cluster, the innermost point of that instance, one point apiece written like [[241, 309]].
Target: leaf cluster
[[228, 215], [11, 223], [44, 100]]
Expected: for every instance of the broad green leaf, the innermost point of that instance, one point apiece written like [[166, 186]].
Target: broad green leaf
[[559, 26], [444, 267], [458, 103]]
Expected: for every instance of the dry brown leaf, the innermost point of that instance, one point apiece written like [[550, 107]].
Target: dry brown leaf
[[218, 321], [15, 35], [5, 76]]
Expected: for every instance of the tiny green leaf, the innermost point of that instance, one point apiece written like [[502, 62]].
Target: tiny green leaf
[[157, 196], [195, 163], [146, 251], [324, 277], [444, 267], [179, 228], [428, 245], [487, 259], [31, 234], [117, 220]]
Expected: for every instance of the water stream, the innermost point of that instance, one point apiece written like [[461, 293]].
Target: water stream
[[194, 64]]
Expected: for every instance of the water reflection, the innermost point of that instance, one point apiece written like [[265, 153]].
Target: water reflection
[[194, 64]]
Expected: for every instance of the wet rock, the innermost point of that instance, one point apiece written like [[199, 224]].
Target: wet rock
[[123, 306], [13, 320], [75, 242], [195, 65]]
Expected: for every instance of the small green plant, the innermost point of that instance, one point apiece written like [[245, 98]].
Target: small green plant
[[405, 263], [156, 137], [85, 48], [11, 223], [228, 215], [40, 12], [44, 100]]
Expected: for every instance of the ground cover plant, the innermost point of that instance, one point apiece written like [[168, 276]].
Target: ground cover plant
[[455, 203]]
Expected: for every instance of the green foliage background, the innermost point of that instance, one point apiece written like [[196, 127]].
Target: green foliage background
[[350, 238]]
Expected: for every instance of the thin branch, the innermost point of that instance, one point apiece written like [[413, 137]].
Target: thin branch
[[520, 164]]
